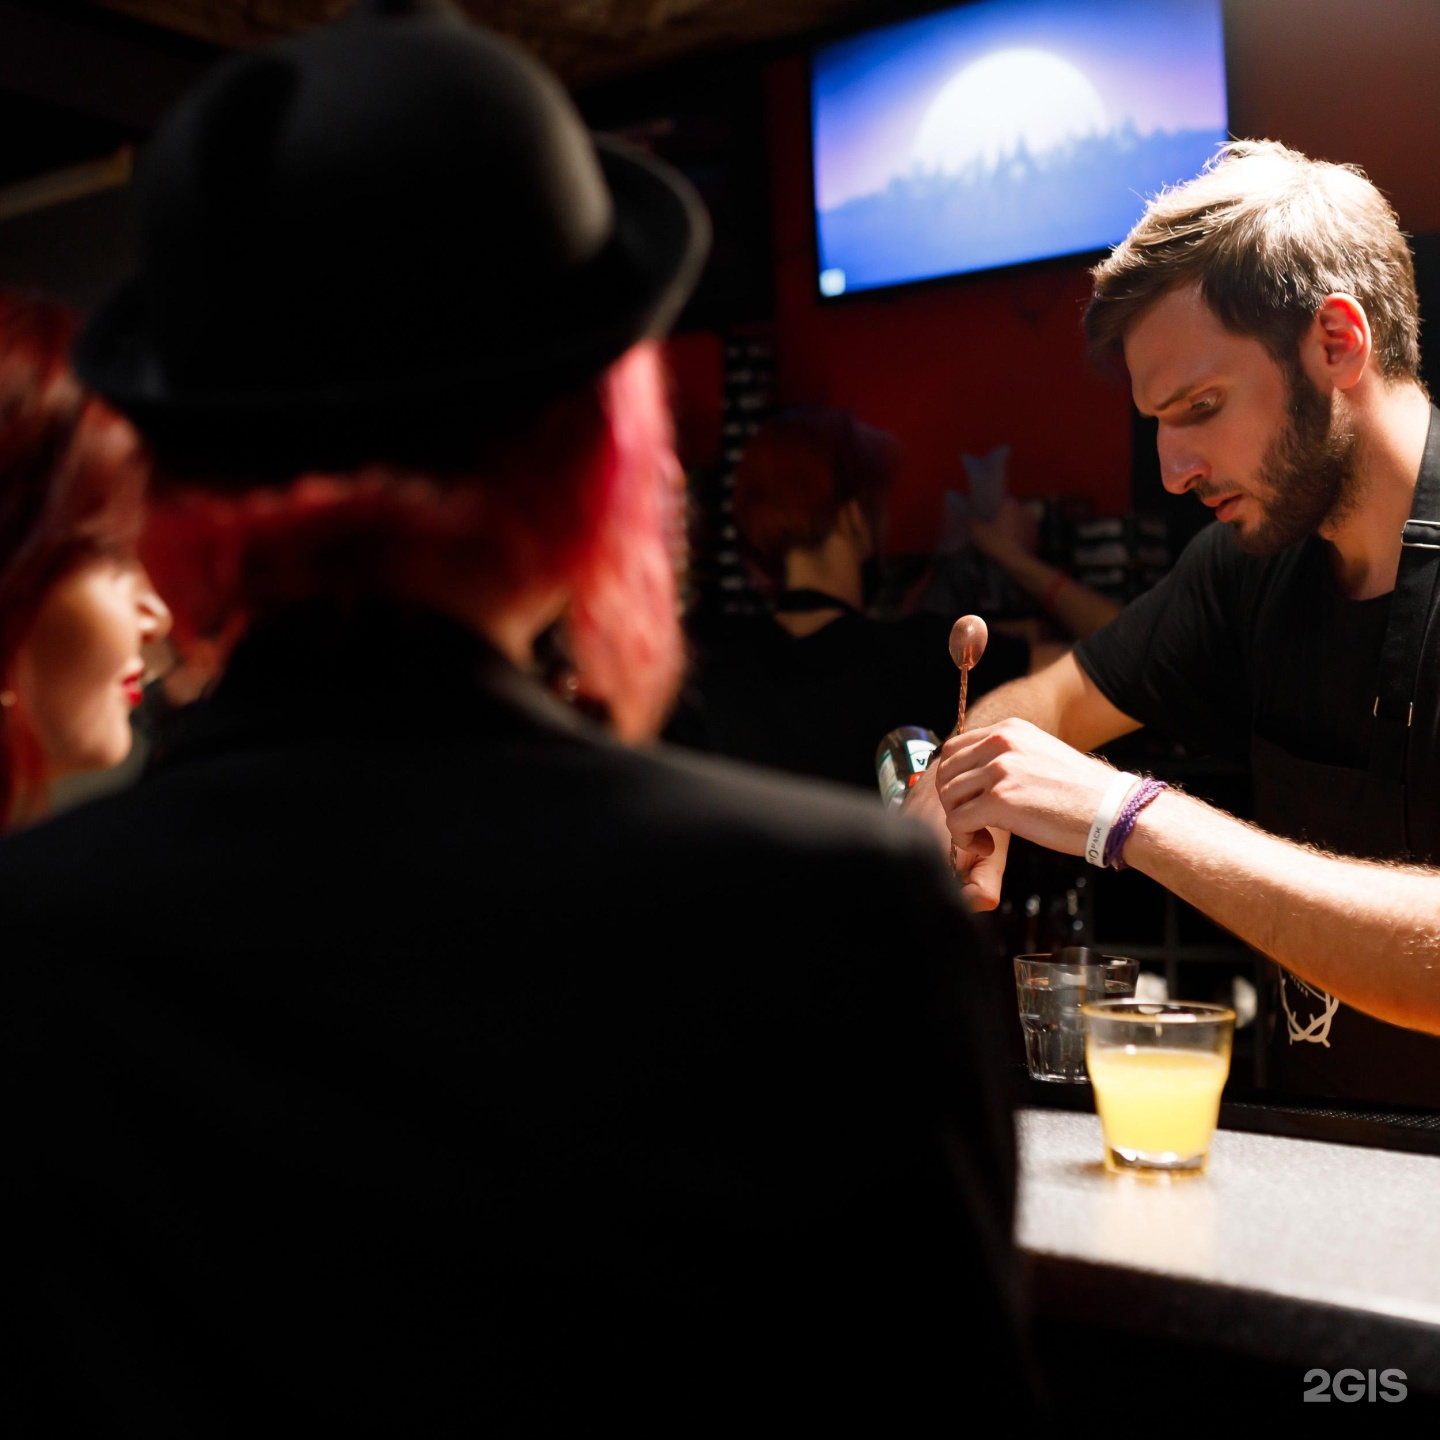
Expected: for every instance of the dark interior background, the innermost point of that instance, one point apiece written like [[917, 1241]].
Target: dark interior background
[[720, 88], [951, 367]]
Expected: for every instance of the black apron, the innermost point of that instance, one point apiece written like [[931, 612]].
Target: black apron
[[1317, 1046]]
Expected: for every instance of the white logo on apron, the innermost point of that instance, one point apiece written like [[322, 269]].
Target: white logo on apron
[[1317, 1031]]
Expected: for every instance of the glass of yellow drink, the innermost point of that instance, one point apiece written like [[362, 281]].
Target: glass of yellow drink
[[1158, 1070]]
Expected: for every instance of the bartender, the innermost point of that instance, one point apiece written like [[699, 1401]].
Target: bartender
[[1267, 316]]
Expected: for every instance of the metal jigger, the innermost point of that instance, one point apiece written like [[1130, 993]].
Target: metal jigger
[[967, 644]]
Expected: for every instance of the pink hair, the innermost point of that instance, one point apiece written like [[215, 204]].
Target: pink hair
[[586, 496], [625, 609]]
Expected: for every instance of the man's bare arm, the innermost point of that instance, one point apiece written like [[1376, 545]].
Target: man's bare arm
[[1367, 933], [1061, 699]]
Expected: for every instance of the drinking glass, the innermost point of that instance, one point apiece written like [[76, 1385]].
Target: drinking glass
[[1158, 1070], [1050, 990]]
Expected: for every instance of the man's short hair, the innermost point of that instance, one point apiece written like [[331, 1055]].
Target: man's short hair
[[1267, 233]]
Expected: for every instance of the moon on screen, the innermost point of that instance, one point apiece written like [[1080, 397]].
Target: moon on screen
[[990, 106]]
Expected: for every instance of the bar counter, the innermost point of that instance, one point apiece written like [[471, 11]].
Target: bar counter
[[1291, 1253]]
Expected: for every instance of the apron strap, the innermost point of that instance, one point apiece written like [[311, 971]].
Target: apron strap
[[1410, 607]]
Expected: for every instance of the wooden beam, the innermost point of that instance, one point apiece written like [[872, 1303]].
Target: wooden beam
[[74, 182]]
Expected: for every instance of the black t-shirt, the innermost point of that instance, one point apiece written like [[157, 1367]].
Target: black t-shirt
[[820, 705], [1228, 645]]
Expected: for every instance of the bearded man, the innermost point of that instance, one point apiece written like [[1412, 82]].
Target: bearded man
[[1267, 317]]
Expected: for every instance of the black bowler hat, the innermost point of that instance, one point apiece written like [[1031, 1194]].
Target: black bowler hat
[[376, 242]]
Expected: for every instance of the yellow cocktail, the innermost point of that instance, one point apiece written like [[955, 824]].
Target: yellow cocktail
[[1158, 1071], [1158, 1101]]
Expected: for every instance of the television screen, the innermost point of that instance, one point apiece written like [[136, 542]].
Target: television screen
[[1008, 131]]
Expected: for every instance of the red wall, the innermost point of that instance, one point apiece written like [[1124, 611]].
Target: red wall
[[968, 364], [1348, 80], [696, 364]]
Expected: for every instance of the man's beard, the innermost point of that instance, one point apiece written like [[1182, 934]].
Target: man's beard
[[1308, 472]]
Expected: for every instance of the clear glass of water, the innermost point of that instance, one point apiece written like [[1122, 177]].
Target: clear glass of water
[[1050, 990]]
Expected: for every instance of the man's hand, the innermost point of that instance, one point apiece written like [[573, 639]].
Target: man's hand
[[979, 859], [1061, 698], [1013, 531], [921, 803], [980, 863], [1015, 777]]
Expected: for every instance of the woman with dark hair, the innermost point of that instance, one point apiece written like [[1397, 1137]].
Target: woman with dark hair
[[472, 1083], [813, 684], [76, 607]]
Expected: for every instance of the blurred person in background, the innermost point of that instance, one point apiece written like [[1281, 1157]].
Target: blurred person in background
[[814, 683], [476, 1075], [78, 613]]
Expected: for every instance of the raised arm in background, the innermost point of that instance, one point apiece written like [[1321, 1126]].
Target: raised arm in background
[[1010, 540]]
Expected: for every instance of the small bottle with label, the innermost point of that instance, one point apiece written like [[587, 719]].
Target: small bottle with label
[[901, 759]]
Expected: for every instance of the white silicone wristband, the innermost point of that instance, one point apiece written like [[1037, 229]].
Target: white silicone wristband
[[1111, 803]]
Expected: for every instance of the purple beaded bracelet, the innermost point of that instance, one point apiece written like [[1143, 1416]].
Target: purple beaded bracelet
[[1140, 797]]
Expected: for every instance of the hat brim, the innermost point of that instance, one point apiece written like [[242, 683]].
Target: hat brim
[[642, 280]]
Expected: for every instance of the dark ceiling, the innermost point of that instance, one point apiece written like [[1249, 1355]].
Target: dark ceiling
[[83, 82], [586, 41], [78, 78]]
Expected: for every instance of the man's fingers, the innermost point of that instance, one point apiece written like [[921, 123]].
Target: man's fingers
[[978, 895], [965, 744], [981, 890], [957, 788], [983, 878], [970, 803], [964, 755]]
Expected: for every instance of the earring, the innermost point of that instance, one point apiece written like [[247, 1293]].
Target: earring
[[7, 698]]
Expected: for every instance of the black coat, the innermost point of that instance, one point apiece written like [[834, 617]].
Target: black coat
[[401, 1053]]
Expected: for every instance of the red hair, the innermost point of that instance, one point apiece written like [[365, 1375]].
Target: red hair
[[586, 495], [798, 472], [72, 485]]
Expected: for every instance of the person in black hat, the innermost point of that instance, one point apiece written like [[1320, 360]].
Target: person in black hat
[[443, 1094]]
